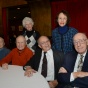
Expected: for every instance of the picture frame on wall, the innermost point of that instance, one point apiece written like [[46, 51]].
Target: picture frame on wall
[[20, 28]]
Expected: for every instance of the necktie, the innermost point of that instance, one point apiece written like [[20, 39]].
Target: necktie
[[44, 66], [80, 63]]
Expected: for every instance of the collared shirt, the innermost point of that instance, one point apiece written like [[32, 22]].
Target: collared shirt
[[76, 65], [50, 67]]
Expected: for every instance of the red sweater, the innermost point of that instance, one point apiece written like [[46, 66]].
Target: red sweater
[[18, 58]]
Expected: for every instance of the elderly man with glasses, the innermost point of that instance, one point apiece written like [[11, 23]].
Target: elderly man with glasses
[[46, 61], [74, 71]]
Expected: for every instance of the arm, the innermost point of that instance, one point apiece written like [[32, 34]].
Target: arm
[[53, 84], [29, 71], [7, 59], [81, 78]]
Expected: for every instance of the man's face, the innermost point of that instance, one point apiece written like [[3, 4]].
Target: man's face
[[80, 43], [44, 43], [1, 43], [20, 43]]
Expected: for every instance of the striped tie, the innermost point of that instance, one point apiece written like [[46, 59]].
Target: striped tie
[[80, 63]]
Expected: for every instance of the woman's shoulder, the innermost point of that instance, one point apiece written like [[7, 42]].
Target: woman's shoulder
[[55, 29], [73, 30]]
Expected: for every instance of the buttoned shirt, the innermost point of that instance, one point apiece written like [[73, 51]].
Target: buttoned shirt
[[50, 67]]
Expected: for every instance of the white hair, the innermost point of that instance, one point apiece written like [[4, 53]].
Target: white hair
[[27, 19]]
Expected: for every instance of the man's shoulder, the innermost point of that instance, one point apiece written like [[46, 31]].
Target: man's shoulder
[[71, 54]]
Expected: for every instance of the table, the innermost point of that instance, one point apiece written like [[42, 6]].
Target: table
[[14, 78]]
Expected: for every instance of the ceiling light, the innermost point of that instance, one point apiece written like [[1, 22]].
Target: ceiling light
[[18, 8]]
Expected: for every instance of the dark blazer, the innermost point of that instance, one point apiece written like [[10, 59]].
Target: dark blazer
[[35, 60], [69, 62]]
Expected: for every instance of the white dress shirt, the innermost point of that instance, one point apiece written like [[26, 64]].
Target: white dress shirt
[[50, 67], [76, 65]]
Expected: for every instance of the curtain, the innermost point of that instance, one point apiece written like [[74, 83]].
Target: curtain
[[78, 10], [4, 25]]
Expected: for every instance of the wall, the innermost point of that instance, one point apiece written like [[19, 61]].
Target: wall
[[41, 14], [7, 3]]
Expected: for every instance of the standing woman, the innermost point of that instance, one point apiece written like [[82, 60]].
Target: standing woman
[[30, 34], [62, 35]]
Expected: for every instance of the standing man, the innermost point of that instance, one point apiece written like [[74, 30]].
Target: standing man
[[74, 72], [18, 56], [53, 58]]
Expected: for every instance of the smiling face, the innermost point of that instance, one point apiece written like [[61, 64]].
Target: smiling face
[[20, 42], [1, 43], [44, 43], [28, 26], [80, 43], [62, 19]]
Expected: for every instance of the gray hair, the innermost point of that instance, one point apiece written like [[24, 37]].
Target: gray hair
[[27, 19]]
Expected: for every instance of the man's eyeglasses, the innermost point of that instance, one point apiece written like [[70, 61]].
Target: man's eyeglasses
[[43, 43], [81, 41]]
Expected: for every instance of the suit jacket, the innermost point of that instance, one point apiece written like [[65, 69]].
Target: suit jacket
[[69, 62], [35, 60]]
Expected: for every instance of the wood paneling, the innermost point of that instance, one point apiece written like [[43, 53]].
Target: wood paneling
[[41, 14]]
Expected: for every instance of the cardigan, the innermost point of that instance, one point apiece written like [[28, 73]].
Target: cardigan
[[18, 58], [63, 42]]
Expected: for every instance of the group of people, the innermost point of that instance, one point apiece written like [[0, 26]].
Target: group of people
[[63, 62]]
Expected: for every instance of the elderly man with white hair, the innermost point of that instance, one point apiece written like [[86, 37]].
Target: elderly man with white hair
[[30, 34]]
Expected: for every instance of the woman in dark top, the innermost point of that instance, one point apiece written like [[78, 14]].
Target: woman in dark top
[[30, 34]]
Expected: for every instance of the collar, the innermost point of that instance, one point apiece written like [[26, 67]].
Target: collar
[[49, 51], [21, 51]]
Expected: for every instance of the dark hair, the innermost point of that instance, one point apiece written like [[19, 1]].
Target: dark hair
[[66, 14]]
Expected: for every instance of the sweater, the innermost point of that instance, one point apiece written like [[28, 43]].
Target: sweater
[[3, 52], [63, 42], [18, 57]]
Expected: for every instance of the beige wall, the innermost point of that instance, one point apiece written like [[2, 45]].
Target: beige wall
[[40, 12]]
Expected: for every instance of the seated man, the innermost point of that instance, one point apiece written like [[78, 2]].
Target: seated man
[[46, 64], [18, 56], [3, 50], [74, 71]]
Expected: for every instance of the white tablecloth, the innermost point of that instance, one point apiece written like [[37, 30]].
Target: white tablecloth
[[14, 78]]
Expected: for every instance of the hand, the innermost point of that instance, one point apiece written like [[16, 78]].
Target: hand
[[80, 74], [53, 84], [29, 72], [62, 70], [5, 66]]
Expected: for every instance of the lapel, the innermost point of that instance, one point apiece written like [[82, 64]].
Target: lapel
[[38, 58], [85, 64], [55, 62], [69, 61]]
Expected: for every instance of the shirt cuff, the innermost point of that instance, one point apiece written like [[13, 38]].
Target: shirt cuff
[[72, 77]]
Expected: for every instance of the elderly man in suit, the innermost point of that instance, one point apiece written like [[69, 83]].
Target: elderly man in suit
[[74, 71], [54, 62]]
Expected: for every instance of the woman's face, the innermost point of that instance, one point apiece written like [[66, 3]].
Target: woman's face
[[28, 26], [62, 19]]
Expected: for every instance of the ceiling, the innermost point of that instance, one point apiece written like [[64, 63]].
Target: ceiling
[[23, 10]]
